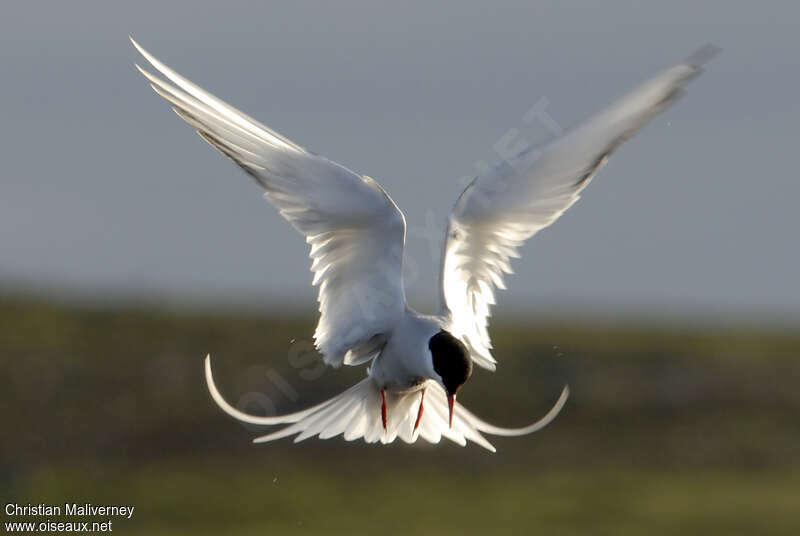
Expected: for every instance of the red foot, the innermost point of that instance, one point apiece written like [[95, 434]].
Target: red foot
[[420, 410], [383, 407]]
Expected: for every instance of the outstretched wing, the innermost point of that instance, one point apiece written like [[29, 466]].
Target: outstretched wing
[[356, 414], [503, 208], [355, 230]]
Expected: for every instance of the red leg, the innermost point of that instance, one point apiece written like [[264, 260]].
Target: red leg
[[383, 407], [420, 410]]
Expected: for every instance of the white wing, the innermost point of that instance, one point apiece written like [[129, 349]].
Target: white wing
[[355, 230], [498, 211], [356, 413]]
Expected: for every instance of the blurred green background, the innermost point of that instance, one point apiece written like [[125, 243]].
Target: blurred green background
[[671, 427]]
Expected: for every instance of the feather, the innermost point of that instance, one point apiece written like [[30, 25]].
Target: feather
[[355, 414], [507, 205], [355, 230]]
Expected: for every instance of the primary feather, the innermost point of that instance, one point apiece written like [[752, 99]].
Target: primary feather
[[515, 199], [356, 231]]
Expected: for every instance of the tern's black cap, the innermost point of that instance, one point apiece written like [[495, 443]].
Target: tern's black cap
[[451, 360]]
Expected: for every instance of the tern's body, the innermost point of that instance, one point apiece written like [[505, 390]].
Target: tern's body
[[404, 364], [357, 239]]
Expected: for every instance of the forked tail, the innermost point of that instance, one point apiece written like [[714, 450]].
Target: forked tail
[[356, 413]]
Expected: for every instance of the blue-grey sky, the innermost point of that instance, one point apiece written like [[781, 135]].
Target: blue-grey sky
[[104, 190]]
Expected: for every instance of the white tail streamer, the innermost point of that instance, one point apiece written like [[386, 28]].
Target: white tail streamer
[[355, 413]]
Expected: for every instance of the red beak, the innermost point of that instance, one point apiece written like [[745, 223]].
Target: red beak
[[451, 402]]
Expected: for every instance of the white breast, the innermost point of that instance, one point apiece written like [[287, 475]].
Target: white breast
[[405, 362]]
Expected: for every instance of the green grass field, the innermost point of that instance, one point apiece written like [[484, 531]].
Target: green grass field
[[668, 430]]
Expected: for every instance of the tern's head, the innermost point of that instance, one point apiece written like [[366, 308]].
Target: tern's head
[[452, 362]]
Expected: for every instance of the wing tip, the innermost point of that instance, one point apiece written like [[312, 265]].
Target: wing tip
[[137, 46], [144, 72], [703, 55], [486, 362]]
